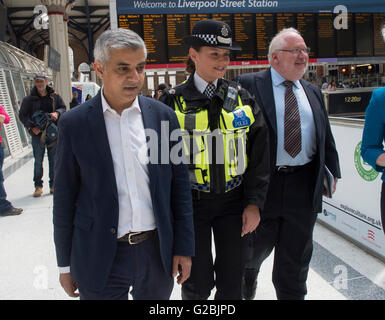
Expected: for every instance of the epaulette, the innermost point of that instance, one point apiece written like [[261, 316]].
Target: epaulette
[[178, 89]]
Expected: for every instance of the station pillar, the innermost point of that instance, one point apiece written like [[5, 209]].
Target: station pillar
[[58, 12]]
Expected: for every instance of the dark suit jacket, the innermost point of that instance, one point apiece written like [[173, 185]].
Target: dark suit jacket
[[85, 209], [260, 86]]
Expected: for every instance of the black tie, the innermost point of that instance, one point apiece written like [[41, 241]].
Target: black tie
[[210, 90]]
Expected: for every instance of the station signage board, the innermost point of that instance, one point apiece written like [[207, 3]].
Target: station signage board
[[164, 23]]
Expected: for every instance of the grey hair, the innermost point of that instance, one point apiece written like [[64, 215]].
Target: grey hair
[[279, 41], [383, 32], [117, 39]]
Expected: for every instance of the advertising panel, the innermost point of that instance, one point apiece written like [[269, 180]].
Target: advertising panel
[[354, 209]]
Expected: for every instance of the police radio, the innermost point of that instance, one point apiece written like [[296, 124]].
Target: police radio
[[231, 99]]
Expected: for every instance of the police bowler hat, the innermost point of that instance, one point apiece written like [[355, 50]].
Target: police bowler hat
[[212, 33]]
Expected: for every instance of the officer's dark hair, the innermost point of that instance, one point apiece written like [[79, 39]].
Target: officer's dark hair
[[190, 65]]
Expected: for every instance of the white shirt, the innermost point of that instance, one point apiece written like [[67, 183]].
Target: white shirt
[[308, 132], [127, 140], [201, 84]]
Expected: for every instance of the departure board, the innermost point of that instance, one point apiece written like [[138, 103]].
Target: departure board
[[194, 18], [225, 17], [345, 42], [177, 29], [265, 30], [244, 27], [132, 22], [306, 25], [285, 20], [364, 34], [379, 45], [154, 35], [325, 33], [164, 34]]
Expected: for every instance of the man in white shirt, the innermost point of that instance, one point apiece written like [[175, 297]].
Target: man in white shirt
[[119, 221]]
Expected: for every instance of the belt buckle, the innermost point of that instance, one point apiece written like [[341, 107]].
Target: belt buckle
[[132, 234], [281, 167]]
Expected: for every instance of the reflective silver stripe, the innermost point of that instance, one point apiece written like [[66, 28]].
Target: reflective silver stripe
[[189, 122], [241, 161]]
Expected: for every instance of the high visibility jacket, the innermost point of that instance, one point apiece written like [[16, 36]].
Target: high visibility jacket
[[229, 148], [188, 103]]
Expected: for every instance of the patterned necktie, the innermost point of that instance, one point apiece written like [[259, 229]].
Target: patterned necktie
[[292, 124], [210, 90]]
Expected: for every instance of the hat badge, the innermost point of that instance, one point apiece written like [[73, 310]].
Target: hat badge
[[224, 39], [224, 31]]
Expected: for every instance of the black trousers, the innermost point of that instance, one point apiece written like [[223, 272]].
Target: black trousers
[[221, 216], [286, 226]]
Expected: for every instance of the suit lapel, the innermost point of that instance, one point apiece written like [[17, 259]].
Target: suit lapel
[[147, 115], [265, 86], [149, 122], [100, 140]]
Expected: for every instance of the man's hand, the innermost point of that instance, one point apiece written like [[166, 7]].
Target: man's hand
[[181, 265], [69, 284], [334, 188], [2, 118], [35, 130], [54, 116], [250, 219], [334, 185], [381, 160]]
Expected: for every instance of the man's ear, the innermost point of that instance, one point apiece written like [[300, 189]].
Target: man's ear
[[99, 69], [274, 59]]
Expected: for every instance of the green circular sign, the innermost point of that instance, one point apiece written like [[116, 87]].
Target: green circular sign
[[364, 170]]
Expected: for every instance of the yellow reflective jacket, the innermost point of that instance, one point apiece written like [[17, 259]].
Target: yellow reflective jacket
[[224, 146]]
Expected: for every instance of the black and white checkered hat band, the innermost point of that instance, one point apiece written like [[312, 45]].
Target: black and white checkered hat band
[[209, 38]]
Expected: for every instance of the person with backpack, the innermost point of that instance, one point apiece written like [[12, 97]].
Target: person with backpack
[[42, 98]]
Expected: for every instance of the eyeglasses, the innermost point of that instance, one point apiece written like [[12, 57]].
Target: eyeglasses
[[296, 50]]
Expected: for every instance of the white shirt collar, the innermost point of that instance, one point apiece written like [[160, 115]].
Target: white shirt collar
[[107, 107], [201, 84], [277, 79]]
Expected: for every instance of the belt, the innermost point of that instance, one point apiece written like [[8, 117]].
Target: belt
[[198, 195], [289, 169], [137, 237]]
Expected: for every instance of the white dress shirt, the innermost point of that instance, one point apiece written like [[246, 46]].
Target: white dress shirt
[[127, 140], [201, 84], [308, 132]]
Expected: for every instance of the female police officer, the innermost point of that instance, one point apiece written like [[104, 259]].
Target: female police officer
[[226, 141]]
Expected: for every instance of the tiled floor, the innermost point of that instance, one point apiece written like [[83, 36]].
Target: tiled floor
[[339, 270]]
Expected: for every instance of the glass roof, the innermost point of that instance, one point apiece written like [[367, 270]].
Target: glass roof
[[14, 58]]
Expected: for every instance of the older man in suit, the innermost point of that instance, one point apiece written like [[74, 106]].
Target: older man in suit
[[119, 221], [301, 145]]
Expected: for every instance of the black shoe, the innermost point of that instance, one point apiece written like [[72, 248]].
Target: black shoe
[[249, 284], [13, 212]]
